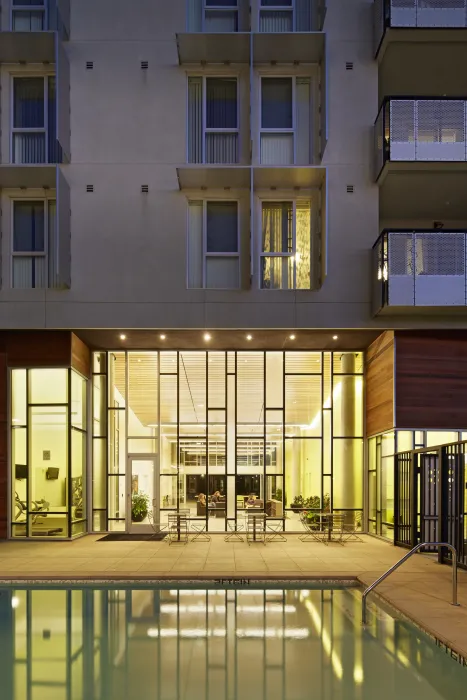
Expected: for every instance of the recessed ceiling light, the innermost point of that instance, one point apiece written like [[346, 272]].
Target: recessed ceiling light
[[292, 337], [122, 336], [162, 337], [335, 337], [249, 337], [207, 336], [139, 360]]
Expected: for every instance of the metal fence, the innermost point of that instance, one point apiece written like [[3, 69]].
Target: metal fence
[[430, 498], [421, 14], [421, 130], [420, 268]]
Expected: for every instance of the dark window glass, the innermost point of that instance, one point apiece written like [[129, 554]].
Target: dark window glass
[[276, 103], [221, 225], [28, 227], [221, 3], [276, 3], [221, 103], [28, 103]]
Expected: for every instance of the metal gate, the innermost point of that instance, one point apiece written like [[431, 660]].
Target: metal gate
[[430, 499]]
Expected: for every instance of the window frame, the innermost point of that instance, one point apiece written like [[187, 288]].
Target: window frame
[[293, 130], [32, 130], [31, 254], [279, 8], [219, 8], [20, 8], [308, 199], [205, 129], [205, 253]]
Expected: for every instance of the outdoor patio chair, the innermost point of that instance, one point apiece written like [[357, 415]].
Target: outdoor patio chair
[[199, 528], [335, 528], [256, 527], [178, 528], [351, 530], [314, 530], [234, 528]]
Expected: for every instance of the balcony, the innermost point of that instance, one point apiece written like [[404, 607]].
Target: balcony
[[419, 269], [225, 32], [416, 21], [31, 32]]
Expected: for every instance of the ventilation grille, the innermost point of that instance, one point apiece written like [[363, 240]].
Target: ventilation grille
[[145, 189], [349, 65], [89, 65], [144, 65], [350, 189], [89, 188]]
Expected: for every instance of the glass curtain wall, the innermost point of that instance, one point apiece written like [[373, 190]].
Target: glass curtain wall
[[228, 430], [48, 453], [381, 451]]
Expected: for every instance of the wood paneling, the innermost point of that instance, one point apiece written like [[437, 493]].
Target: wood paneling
[[379, 371], [37, 348], [80, 356], [431, 380]]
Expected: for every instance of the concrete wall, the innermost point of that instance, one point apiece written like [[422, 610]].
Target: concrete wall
[[128, 128]]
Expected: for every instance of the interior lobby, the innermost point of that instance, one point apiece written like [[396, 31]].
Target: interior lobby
[[136, 433]]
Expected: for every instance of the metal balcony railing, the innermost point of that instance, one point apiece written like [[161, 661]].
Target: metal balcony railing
[[420, 130], [420, 268], [427, 14]]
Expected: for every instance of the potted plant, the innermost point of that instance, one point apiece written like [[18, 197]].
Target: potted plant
[[298, 503], [139, 506], [278, 495]]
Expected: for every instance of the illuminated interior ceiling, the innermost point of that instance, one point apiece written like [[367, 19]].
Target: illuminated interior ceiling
[[303, 393]]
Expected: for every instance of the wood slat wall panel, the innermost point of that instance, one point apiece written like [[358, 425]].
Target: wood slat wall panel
[[38, 348], [80, 356], [379, 370], [431, 380]]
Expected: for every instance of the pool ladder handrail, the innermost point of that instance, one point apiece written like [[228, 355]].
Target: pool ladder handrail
[[401, 561]]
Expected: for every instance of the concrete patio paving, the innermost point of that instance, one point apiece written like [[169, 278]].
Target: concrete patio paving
[[421, 589]]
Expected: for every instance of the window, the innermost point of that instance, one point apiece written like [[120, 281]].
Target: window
[[28, 15], [34, 244], [286, 245], [34, 120], [213, 249], [212, 15], [285, 16], [212, 120], [285, 121]]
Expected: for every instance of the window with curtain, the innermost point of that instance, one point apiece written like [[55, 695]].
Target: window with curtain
[[285, 137], [34, 244], [28, 15], [212, 120], [286, 245], [212, 16], [213, 246], [34, 138], [286, 16]]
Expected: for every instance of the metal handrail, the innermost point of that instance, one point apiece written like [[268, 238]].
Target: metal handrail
[[401, 561]]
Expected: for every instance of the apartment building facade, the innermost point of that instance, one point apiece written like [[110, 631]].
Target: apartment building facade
[[233, 257]]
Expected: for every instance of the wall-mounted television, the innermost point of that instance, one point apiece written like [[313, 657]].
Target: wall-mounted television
[[21, 471], [52, 473]]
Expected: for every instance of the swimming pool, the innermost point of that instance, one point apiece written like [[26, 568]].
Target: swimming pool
[[172, 643]]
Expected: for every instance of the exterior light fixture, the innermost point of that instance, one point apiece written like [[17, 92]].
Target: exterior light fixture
[[162, 337], [207, 336], [292, 337], [249, 337], [122, 336], [335, 337]]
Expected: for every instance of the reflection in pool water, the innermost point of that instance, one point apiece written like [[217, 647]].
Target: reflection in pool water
[[188, 644]]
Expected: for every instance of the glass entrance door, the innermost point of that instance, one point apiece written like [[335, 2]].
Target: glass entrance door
[[143, 493]]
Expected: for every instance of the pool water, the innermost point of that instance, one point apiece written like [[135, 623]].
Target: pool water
[[165, 643]]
